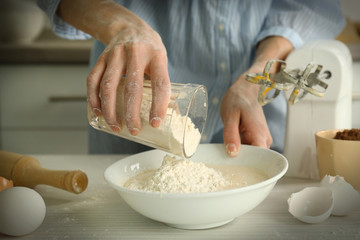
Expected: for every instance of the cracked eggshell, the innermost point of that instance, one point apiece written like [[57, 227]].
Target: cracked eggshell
[[346, 198], [312, 204]]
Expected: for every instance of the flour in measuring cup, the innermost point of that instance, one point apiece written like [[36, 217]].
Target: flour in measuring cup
[[176, 133]]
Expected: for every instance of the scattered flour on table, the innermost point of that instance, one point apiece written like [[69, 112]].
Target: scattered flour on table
[[178, 176]]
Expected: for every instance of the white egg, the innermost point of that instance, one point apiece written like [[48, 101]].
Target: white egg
[[22, 210], [312, 204], [346, 198]]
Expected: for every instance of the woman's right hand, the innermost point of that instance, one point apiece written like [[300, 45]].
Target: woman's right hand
[[133, 52], [133, 49]]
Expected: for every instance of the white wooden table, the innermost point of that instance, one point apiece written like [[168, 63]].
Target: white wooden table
[[100, 213]]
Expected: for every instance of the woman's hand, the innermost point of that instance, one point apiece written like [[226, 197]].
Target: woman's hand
[[242, 115], [133, 49], [133, 52]]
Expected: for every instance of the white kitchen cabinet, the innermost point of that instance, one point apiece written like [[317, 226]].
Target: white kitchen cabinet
[[43, 108]]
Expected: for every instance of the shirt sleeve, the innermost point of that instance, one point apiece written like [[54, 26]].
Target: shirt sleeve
[[58, 25], [301, 21]]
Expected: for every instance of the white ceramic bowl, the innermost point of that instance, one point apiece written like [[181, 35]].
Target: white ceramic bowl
[[198, 210]]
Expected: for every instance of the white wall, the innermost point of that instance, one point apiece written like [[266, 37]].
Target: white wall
[[351, 9]]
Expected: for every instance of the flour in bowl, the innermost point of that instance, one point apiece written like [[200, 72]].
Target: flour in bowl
[[178, 176], [184, 176]]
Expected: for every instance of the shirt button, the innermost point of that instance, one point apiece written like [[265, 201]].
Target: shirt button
[[223, 66], [203, 137], [215, 101], [221, 27]]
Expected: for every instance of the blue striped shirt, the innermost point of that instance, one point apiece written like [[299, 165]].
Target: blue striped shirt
[[212, 42]]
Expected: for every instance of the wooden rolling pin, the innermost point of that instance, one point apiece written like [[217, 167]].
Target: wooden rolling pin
[[26, 171]]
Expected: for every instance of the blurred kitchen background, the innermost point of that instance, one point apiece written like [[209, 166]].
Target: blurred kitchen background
[[43, 81]]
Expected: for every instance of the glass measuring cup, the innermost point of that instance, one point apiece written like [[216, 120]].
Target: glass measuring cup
[[180, 131]]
